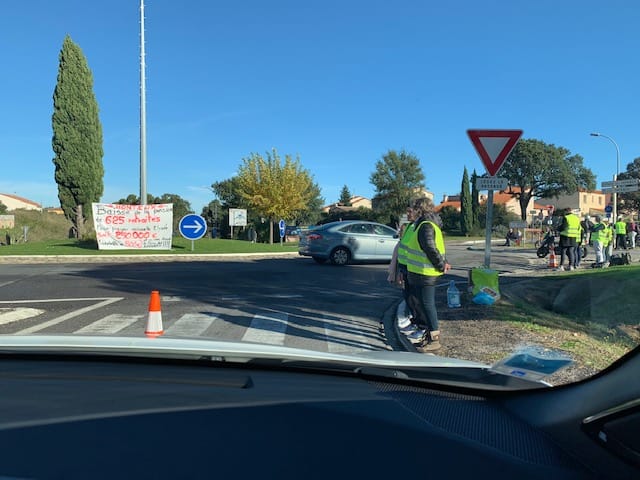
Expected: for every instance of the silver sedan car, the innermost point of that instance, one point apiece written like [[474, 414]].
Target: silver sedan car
[[349, 241]]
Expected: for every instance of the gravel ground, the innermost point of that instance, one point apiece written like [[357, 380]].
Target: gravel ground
[[472, 333]]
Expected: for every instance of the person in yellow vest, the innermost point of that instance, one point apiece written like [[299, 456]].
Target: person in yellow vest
[[621, 233], [598, 238], [398, 272], [608, 242], [426, 262], [569, 233]]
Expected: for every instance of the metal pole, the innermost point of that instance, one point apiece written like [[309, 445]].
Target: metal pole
[[487, 243], [143, 114], [615, 177]]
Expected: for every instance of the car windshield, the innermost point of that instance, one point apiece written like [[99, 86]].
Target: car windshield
[[425, 183]]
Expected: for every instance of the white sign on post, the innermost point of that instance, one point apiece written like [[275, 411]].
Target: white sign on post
[[121, 227], [491, 183]]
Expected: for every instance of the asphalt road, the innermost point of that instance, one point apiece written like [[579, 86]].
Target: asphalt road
[[288, 300]]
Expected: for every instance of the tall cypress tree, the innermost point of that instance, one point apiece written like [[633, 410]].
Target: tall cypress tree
[[77, 137], [475, 201], [466, 217]]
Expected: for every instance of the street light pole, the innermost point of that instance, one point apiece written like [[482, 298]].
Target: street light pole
[[615, 177]]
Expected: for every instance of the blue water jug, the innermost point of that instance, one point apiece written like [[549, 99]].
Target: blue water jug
[[453, 295]]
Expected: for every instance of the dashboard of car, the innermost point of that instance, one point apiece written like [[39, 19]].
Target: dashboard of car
[[84, 417]]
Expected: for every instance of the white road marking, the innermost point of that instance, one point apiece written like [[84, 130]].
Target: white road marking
[[267, 329], [63, 318], [10, 315], [191, 325], [110, 324]]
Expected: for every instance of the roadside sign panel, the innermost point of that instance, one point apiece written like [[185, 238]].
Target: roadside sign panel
[[237, 217], [282, 226], [494, 146], [623, 189], [491, 183], [622, 183], [192, 226]]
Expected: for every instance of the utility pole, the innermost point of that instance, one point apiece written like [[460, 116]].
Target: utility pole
[[143, 114]]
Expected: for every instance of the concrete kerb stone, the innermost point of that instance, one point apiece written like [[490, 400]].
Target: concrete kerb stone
[[158, 258]]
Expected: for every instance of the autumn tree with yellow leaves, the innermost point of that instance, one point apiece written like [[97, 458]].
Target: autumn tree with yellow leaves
[[276, 188]]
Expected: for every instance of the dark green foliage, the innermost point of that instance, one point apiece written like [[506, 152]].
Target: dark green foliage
[[398, 179], [466, 214], [345, 197], [541, 170], [77, 137], [475, 201]]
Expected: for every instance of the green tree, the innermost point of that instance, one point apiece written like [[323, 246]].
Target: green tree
[[312, 213], [475, 201], [275, 188], [466, 214], [77, 137], [212, 213], [3, 208], [133, 199], [345, 197], [629, 203], [541, 170], [398, 179], [450, 217]]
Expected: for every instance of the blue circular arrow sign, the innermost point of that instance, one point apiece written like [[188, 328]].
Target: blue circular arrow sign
[[192, 226]]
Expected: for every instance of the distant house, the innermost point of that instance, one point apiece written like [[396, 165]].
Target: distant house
[[355, 201], [582, 202], [510, 202], [14, 202]]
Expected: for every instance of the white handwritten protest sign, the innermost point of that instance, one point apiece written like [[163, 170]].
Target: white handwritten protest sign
[[120, 227]]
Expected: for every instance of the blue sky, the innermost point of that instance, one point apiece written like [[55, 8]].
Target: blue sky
[[337, 82]]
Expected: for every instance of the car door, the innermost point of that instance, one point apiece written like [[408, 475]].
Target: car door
[[361, 241], [385, 241]]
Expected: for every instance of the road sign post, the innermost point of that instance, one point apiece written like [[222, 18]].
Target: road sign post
[[192, 227], [282, 227], [493, 148]]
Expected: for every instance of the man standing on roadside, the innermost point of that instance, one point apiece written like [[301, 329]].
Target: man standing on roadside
[[621, 233], [569, 233]]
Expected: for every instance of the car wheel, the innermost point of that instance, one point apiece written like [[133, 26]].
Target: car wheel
[[340, 256], [319, 260]]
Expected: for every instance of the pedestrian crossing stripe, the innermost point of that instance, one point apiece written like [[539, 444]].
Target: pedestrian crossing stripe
[[10, 315], [338, 335]]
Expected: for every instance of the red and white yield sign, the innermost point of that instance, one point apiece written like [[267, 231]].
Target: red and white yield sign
[[494, 146]]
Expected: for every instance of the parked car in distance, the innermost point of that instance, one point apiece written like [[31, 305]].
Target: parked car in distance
[[349, 241]]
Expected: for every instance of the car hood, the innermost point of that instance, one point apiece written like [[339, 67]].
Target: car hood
[[163, 347]]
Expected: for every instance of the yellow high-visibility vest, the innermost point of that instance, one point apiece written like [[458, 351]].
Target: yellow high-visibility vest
[[417, 260]]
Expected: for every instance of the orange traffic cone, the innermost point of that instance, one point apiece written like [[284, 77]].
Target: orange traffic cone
[[154, 322], [553, 260]]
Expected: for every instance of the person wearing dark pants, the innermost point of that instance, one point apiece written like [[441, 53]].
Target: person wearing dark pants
[[426, 262]]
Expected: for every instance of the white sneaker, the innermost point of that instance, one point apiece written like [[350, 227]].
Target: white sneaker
[[409, 329], [560, 269], [404, 322], [417, 336]]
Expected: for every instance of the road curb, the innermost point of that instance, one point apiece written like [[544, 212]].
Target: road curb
[[158, 258]]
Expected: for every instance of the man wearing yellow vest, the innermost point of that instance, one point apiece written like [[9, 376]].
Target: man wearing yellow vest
[[569, 233], [621, 233], [426, 262]]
